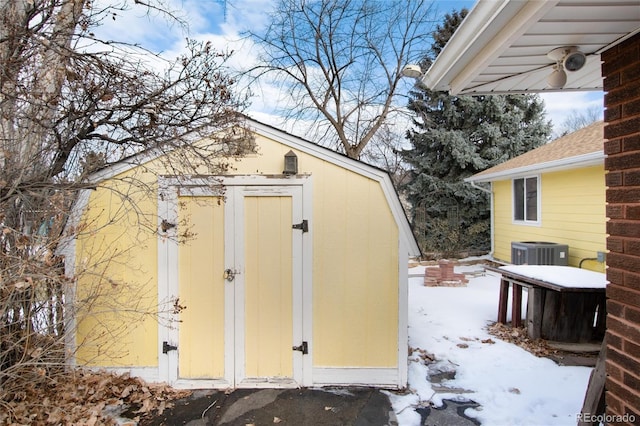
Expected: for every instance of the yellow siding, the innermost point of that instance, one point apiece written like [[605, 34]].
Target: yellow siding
[[116, 268], [355, 261], [572, 213], [268, 287], [202, 286], [355, 265], [355, 273]]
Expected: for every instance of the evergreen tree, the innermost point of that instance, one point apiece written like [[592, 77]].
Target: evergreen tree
[[455, 137]]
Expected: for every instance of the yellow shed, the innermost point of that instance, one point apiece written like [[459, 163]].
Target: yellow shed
[[555, 193], [253, 278]]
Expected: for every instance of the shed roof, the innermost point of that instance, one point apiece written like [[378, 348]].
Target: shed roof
[[581, 148], [502, 46], [308, 147]]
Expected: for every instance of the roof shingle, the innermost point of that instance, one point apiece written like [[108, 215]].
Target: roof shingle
[[588, 140]]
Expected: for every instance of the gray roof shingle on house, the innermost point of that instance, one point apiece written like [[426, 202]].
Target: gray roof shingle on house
[[581, 148]]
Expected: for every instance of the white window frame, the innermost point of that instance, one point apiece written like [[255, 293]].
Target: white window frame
[[524, 221]]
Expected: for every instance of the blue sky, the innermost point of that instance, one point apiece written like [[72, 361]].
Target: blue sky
[[223, 22]]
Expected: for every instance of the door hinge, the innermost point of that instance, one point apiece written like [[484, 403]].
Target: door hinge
[[166, 347], [166, 225], [304, 348], [304, 225]]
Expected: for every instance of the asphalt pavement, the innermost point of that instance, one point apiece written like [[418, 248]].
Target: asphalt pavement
[[350, 406]]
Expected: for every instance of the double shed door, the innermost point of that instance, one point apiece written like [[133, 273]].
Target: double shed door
[[240, 280]]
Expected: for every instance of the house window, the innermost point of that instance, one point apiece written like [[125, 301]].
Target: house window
[[526, 199]]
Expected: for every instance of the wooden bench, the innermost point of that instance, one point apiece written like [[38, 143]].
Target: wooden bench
[[558, 309]]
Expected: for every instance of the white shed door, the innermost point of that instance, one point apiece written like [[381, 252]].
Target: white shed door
[[240, 278]]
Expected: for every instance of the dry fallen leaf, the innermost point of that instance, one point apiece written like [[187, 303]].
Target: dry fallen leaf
[[81, 397], [92, 421], [462, 345], [520, 337], [126, 391]]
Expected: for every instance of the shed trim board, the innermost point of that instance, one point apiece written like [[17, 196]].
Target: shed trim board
[[67, 249]]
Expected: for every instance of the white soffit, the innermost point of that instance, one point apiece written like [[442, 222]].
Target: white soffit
[[502, 45]]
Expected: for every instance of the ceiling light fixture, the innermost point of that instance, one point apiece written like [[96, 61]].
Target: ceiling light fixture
[[567, 58], [558, 78]]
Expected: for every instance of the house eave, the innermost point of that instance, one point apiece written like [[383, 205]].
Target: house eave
[[483, 35], [503, 46], [570, 163]]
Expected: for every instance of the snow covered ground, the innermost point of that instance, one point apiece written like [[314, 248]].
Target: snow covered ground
[[512, 386]]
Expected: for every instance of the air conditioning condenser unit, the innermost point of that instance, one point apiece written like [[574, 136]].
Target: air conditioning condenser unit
[[539, 253]]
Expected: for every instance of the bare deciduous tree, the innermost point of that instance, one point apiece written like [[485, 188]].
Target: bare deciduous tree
[[71, 103], [341, 62], [385, 151], [578, 119]]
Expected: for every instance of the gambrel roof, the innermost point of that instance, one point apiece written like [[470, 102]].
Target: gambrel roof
[[581, 148], [303, 145]]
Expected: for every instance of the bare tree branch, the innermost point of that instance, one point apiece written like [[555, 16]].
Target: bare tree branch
[[578, 119], [70, 104], [341, 62]]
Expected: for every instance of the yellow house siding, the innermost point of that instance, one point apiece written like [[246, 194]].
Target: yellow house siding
[[355, 273], [116, 268], [503, 232], [572, 212]]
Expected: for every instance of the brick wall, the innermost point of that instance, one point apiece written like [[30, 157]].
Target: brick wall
[[621, 72]]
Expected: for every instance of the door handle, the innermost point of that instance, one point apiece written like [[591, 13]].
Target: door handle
[[229, 274]]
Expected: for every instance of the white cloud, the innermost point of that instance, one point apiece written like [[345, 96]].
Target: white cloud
[[559, 105], [160, 33], [243, 15], [138, 25], [224, 23]]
